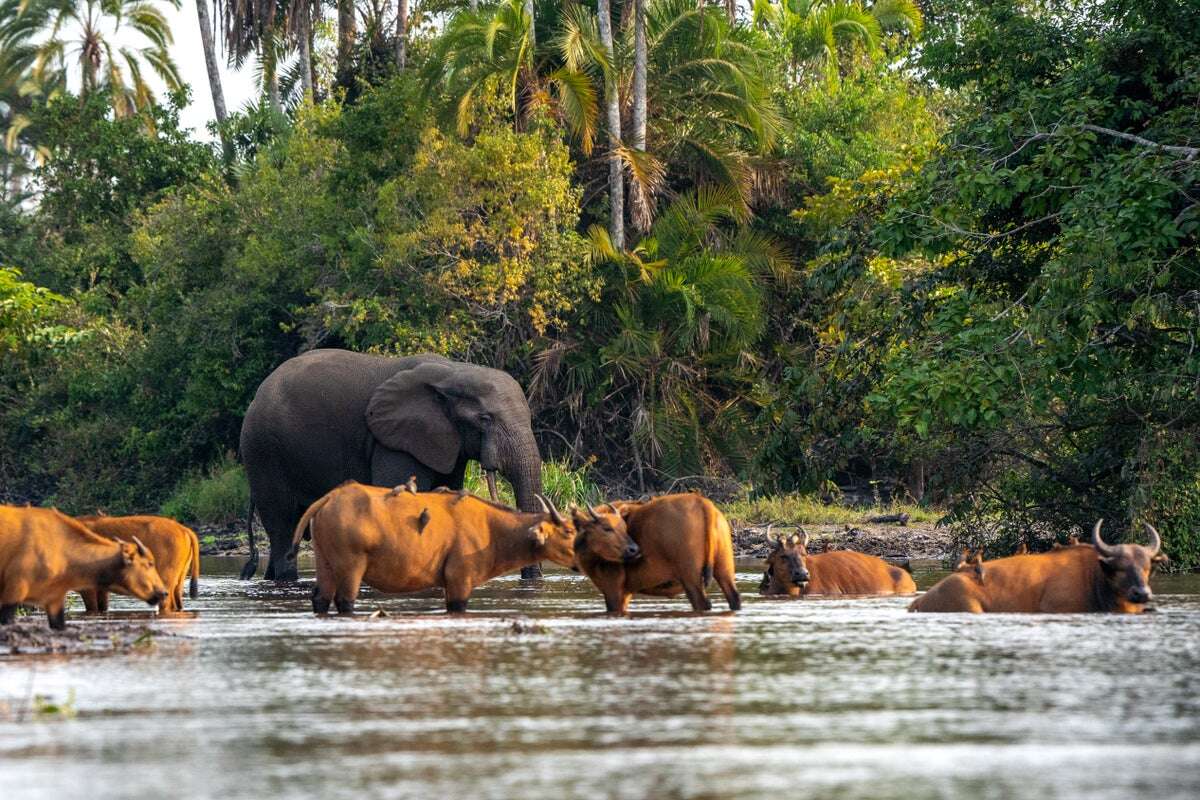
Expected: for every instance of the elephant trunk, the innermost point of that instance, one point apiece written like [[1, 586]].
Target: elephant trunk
[[523, 468]]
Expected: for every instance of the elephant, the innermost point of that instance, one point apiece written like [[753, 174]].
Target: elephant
[[329, 416]]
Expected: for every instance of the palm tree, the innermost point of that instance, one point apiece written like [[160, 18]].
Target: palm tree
[[494, 50], [612, 109], [210, 60], [683, 313], [86, 33], [711, 112], [347, 36], [816, 31], [639, 199]]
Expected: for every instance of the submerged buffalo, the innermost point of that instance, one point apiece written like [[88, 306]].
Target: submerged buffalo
[[1096, 577], [792, 571]]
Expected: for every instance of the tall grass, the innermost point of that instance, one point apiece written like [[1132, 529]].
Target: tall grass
[[561, 483], [809, 510], [219, 496]]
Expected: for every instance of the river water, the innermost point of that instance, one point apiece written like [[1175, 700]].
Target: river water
[[536, 694]]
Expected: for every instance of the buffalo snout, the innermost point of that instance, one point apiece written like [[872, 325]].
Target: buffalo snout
[[632, 552], [800, 576], [1140, 594], [156, 598]]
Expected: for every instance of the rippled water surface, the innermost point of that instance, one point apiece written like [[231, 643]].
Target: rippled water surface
[[536, 694]]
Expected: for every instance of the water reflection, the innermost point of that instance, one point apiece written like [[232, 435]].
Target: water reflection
[[537, 693]]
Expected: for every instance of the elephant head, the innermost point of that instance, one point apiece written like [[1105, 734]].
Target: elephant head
[[441, 410]]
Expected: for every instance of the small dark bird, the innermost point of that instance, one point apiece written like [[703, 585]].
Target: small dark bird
[[422, 520]]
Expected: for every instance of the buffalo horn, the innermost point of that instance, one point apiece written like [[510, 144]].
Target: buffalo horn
[[549, 504], [1155, 539], [1098, 543], [592, 513], [142, 551]]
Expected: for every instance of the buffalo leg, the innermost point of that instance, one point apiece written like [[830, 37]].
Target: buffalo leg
[[56, 613], [697, 597], [102, 601], [320, 602], [8, 613], [458, 588], [90, 606], [728, 587], [347, 588]]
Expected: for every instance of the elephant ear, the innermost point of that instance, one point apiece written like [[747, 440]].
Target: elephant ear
[[406, 413]]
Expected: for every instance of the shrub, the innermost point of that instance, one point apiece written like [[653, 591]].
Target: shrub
[[218, 497]]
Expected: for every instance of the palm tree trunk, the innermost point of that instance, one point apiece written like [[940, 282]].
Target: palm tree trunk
[[305, 35], [612, 102], [401, 34], [271, 75], [639, 74], [210, 60], [347, 33], [529, 13], [731, 11]]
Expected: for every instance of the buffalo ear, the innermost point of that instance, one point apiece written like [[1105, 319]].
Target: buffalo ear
[[1161, 558], [538, 535], [127, 551], [408, 413]]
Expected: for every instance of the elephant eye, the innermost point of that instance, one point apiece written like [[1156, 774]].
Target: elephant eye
[[485, 418]]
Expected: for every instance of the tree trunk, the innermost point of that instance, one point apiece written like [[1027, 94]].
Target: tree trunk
[[532, 37], [401, 34], [639, 74], [612, 102], [306, 76], [640, 212], [347, 33], [731, 11], [210, 60], [271, 76]]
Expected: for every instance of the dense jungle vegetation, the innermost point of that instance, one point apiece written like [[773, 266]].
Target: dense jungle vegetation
[[945, 249]]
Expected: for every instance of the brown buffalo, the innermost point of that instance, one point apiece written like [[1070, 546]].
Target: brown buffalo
[[45, 554], [175, 548], [685, 543], [972, 564], [406, 542], [1095, 577], [792, 571]]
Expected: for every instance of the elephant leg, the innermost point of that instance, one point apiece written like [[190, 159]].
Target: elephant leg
[[280, 520]]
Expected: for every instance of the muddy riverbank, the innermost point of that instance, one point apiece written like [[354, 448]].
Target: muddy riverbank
[[30, 635]]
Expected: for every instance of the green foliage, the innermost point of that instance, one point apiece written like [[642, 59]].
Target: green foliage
[[219, 496], [476, 251], [1054, 343], [100, 170], [967, 270], [801, 509]]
